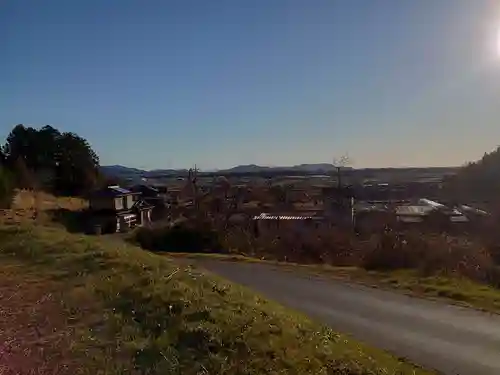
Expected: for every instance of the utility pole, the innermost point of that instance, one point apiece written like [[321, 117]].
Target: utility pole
[[191, 187], [344, 202], [338, 164]]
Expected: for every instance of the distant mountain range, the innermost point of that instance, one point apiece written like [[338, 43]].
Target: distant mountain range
[[135, 175], [251, 168], [121, 171]]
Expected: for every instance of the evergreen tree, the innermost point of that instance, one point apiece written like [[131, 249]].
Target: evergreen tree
[[62, 162]]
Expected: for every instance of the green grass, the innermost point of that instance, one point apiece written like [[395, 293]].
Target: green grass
[[457, 290], [139, 313]]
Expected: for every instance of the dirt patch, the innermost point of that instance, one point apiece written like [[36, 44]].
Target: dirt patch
[[34, 335]]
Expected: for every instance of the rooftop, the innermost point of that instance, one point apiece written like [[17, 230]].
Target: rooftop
[[113, 190], [119, 189], [414, 210], [144, 187]]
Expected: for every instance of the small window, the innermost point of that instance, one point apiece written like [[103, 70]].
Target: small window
[[119, 203]]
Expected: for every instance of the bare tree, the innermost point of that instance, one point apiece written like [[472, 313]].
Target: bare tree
[[338, 165]]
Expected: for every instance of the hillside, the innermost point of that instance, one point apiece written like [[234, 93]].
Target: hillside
[[102, 306]]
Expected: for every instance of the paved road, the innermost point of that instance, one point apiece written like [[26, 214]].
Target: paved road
[[450, 339]]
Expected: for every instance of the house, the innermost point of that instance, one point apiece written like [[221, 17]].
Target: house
[[146, 191], [424, 211], [159, 202], [115, 209]]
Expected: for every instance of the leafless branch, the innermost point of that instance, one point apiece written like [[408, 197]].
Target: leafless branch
[[342, 161]]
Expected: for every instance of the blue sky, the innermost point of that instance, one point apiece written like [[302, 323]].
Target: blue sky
[[164, 83]]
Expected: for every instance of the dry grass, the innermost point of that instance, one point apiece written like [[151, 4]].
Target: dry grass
[[425, 253], [29, 205], [26, 199]]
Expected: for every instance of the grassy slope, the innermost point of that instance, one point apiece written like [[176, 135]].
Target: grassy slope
[[460, 291], [131, 311]]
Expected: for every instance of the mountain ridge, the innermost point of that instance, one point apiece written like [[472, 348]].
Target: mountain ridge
[[320, 167], [136, 174]]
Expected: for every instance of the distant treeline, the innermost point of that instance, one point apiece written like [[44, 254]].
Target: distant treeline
[[478, 181]]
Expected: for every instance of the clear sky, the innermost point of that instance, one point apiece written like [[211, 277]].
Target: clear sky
[[164, 83]]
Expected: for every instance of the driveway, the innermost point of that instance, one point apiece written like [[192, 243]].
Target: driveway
[[450, 339]]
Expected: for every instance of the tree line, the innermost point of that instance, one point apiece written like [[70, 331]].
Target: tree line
[[62, 163], [477, 181]]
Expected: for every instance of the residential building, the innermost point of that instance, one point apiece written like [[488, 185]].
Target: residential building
[[115, 209]]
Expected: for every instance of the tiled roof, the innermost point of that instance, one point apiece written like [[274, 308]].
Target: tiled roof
[[119, 190]]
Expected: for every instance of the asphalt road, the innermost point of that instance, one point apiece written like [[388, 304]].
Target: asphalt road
[[450, 339]]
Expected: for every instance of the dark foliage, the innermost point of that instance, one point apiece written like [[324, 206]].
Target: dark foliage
[[430, 254], [179, 238], [63, 163], [6, 188], [73, 221], [479, 180], [23, 177]]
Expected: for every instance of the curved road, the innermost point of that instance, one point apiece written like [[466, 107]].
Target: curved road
[[450, 339]]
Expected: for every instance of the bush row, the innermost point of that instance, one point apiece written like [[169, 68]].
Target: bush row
[[383, 250]]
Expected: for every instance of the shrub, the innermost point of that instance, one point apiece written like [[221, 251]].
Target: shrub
[[388, 251], [429, 254], [179, 238], [327, 245]]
